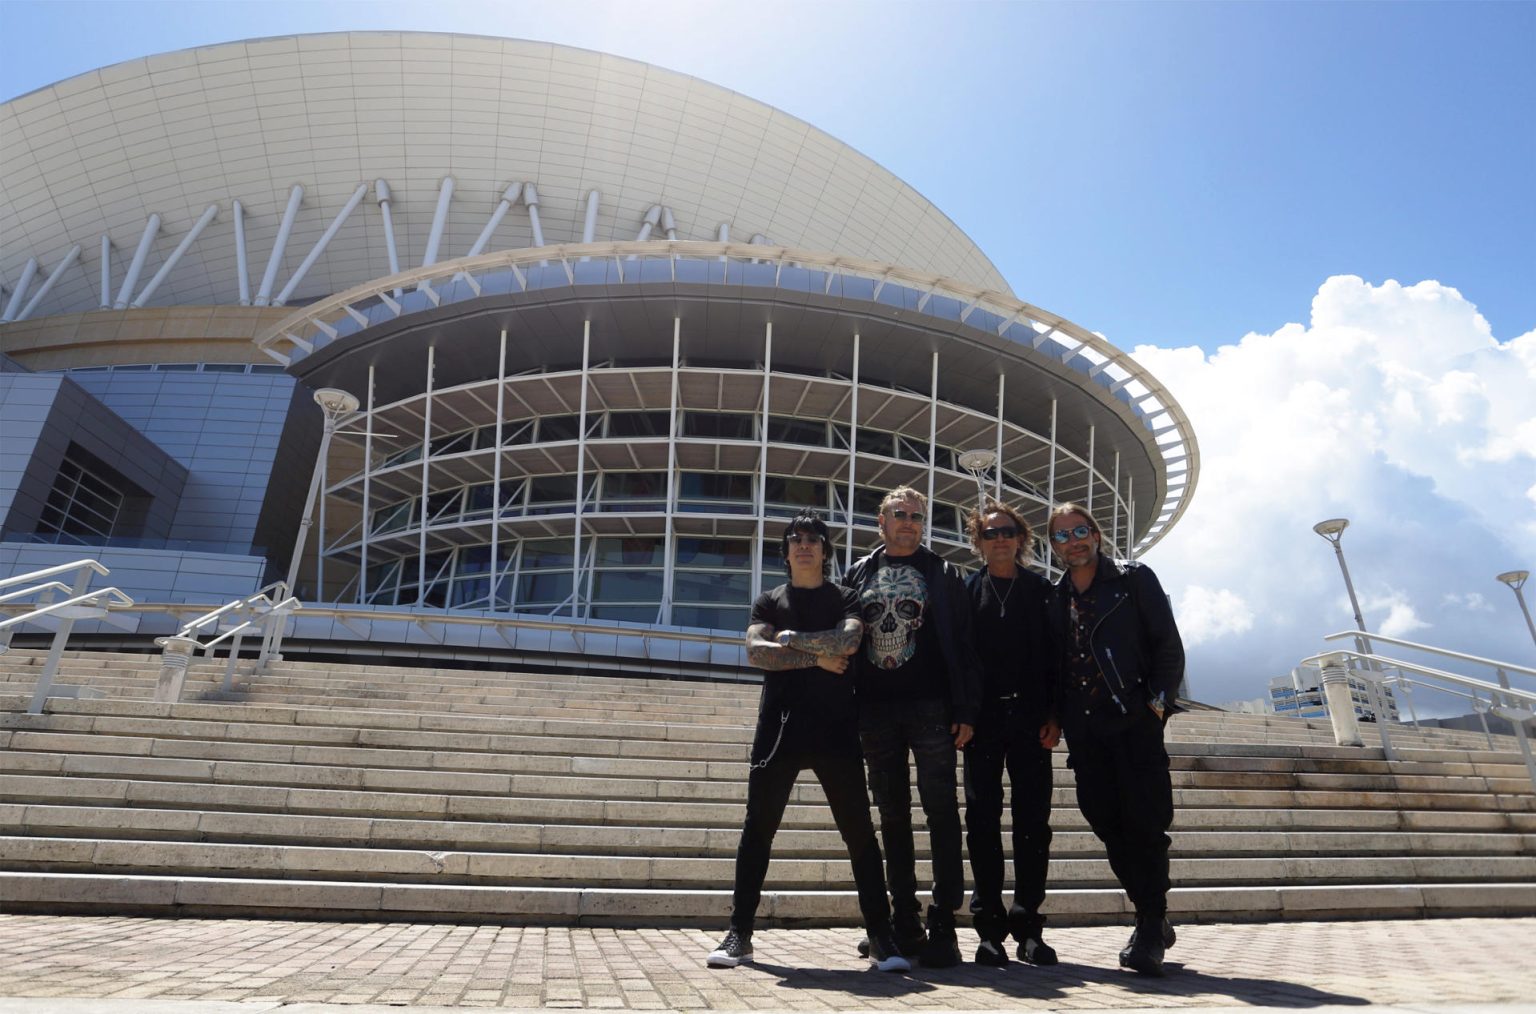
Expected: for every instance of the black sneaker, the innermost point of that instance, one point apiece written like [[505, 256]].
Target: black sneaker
[[1037, 951], [880, 947], [991, 952], [733, 950], [1144, 952], [1169, 939]]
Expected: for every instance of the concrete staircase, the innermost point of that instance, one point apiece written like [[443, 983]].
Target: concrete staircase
[[397, 793]]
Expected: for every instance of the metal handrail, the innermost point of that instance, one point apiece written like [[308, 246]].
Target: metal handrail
[[1492, 663], [266, 616], [1519, 707], [65, 611], [63, 568]]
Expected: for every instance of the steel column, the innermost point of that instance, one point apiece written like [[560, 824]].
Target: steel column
[[242, 274], [279, 246], [321, 244], [209, 214], [48, 283], [136, 266]]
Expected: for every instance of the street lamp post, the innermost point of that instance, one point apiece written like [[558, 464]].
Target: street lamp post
[[1516, 580], [335, 403], [1333, 530]]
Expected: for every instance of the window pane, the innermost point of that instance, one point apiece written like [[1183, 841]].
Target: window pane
[[639, 424], [720, 425], [796, 492], [716, 486], [627, 586], [690, 586], [558, 427], [784, 430], [733, 554], [543, 589], [643, 551]]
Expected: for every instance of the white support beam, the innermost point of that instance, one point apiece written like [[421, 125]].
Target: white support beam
[[269, 277], [508, 198], [106, 272], [209, 214], [19, 293], [439, 221], [581, 470], [48, 283], [531, 201], [242, 269], [853, 442], [997, 480], [136, 266], [933, 436], [382, 198], [589, 226], [651, 219], [668, 223], [320, 244]]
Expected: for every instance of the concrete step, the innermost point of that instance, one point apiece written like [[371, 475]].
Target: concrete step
[[274, 898], [380, 792]]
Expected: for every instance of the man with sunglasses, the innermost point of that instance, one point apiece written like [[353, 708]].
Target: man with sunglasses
[[1016, 732], [919, 687], [1121, 667], [802, 634]]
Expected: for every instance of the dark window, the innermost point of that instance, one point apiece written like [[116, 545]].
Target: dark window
[[639, 424], [729, 554], [875, 442], [716, 486], [718, 425], [558, 427], [784, 430]]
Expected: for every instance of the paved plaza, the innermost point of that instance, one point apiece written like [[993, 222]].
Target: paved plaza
[[113, 965]]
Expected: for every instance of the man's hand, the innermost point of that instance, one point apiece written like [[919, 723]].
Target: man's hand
[[1050, 735], [833, 663], [784, 637], [963, 734]]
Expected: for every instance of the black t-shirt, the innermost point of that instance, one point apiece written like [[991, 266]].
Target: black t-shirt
[[819, 704], [899, 659], [1011, 625]]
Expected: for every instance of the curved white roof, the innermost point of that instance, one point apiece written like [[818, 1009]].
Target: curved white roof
[[170, 135]]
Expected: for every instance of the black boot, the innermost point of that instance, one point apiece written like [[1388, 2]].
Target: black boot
[[1025, 927], [1168, 935], [910, 935], [992, 927], [943, 947], [1144, 951]]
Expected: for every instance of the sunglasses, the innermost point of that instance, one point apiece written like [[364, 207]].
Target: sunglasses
[[1062, 536], [916, 517], [1010, 532], [804, 539]]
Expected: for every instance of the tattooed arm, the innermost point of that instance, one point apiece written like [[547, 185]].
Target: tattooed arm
[[765, 653], [842, 641]]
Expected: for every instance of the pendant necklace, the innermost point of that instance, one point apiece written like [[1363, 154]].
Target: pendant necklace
[[1002, 600]]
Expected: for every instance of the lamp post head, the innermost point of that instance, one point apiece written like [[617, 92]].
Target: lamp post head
[[335, 401], [1332, 528], [1514, 578], [977, 460]]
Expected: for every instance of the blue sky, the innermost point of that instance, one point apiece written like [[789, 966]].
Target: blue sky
[[1316, 224]]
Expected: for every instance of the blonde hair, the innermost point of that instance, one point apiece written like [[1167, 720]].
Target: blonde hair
[[904, 493]]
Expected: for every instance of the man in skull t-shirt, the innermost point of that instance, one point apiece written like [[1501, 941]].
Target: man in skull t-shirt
[[918, 689]]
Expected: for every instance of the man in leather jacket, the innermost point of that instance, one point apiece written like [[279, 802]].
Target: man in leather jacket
[[918, 687], [1121, 665]]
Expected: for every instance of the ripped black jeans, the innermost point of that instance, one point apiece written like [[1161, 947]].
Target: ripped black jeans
[[888, 731]]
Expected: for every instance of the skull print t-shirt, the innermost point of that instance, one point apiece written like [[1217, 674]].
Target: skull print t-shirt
[[899, 646]]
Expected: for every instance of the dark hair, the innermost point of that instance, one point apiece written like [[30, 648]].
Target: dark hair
[[1063, 509], [975, 520], [808, 521]]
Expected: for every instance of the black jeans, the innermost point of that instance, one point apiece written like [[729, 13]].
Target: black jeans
[[1008, 738], [888, 731], [842, 779], [1126, 794]]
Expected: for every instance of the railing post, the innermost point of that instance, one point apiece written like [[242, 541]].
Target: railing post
[[1517, 718], [1341, 708], [56, 651], [234, 659], [175, 656]]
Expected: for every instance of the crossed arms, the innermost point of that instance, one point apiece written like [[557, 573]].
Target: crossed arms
[[776, 651]]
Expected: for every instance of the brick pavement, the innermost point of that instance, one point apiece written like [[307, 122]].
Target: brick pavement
[[189, 963]]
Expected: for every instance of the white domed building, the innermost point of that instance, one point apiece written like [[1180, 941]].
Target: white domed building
[[590, 330]]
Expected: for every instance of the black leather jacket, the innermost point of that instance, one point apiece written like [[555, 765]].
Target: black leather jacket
[[951, 612], [1135, 641]]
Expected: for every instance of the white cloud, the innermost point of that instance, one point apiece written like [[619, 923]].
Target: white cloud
[[1206, 615], [1395, 407]]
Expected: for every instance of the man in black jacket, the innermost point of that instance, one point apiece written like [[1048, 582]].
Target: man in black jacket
[[1121, 667], [1016, 732], [918, 688]]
